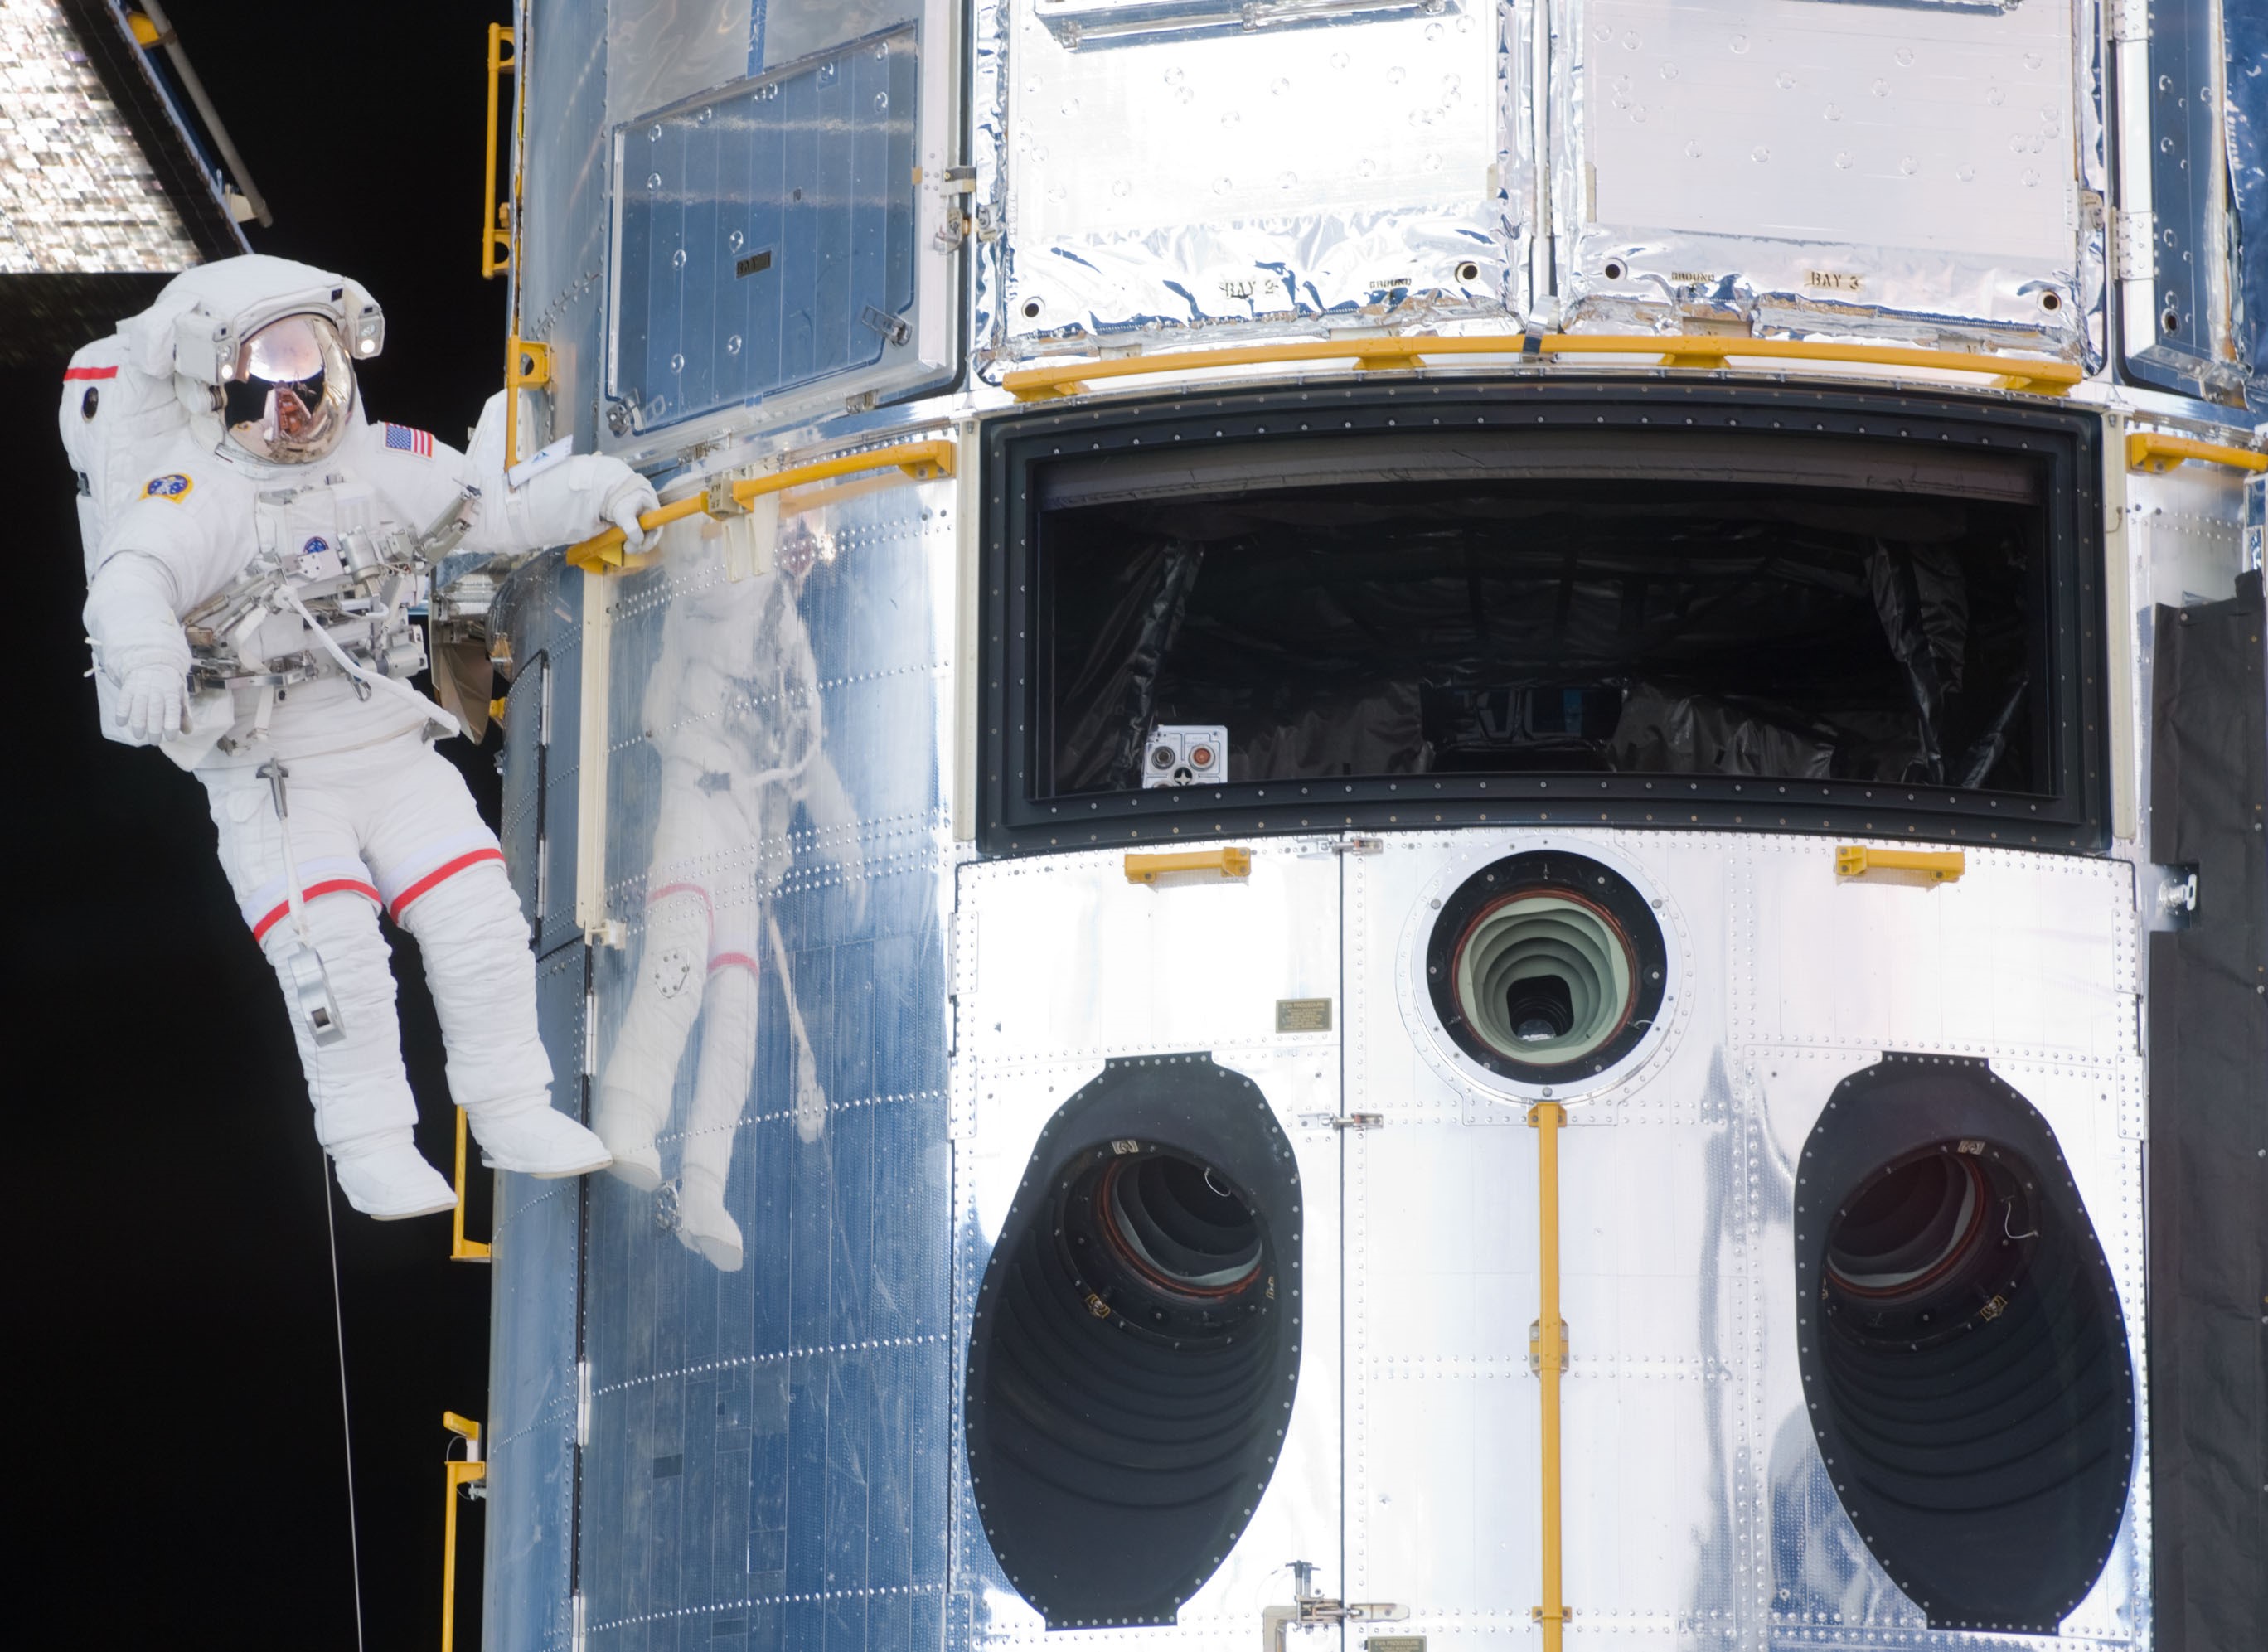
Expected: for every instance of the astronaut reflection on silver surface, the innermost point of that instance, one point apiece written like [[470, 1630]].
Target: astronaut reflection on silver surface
[[732, 711]]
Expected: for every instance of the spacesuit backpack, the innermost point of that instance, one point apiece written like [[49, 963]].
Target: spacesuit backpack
[[115, 420]]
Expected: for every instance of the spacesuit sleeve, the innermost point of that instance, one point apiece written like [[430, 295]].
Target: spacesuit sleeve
[[558, 505], [163, 556]]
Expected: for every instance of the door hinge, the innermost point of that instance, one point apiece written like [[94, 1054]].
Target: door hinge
[[590, 1033], [582, 1403], [2130, 20], [2133, 247]]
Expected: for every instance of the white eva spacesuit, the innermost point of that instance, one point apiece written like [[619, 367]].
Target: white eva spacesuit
[[256, 551], [732, 709]]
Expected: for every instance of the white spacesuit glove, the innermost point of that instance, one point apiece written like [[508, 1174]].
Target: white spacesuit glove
[[153, 702], [628, 498]]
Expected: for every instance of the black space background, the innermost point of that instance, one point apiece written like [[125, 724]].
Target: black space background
[[176, 1470]]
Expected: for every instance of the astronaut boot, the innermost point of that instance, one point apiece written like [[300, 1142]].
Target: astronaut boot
[[532, 1139], [628, 1130], [385, 1176], [702, 1225]]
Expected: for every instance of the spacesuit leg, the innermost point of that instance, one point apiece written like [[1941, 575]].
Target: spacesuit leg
[[721, 1079], [636, 1084], [364, 1109], [665, 999], [442, 877]]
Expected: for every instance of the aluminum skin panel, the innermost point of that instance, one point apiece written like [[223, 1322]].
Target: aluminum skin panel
[[1060, 964], [1898, 170], [2183, 536], [559, 285], [765, 233], [528, 1570], [1697, 1512], [520, 833], [536, 618], [1359, 169], [767, 1463]]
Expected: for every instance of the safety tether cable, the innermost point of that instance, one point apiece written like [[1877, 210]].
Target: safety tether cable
[[346, 1422]]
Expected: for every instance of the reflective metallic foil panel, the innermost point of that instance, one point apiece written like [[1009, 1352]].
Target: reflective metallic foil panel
[[766, 1330], [1697, 1511], [1061, 964], [1807, 165], [532, 1495], [1358, 168]]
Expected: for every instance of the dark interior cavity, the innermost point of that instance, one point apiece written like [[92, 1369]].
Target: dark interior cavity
[[1962, 1345], [1365, 628], [1135, 1349]]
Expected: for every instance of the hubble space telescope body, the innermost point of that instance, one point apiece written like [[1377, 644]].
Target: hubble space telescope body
[[1426, 828]]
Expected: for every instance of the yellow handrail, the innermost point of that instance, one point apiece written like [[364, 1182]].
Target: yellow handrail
[[1550, 1357], [1230, 863], [497, 229], [459, 1472], [920, 460], [1381, 352], [1919, 866], [462, 1248], [2161, 451]]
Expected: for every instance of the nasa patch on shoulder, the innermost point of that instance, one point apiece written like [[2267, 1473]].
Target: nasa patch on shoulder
[[172, 485], [403, 440]]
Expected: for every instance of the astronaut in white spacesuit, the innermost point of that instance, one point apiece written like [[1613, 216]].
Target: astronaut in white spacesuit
[[293, 537], [732, 709]]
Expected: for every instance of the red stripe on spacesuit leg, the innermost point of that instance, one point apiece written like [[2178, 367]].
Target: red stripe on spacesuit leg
[[445, 870], [733, 961], [669, 890], [328, 886]]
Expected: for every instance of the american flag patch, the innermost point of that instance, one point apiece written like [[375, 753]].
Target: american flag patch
[[402, 440]]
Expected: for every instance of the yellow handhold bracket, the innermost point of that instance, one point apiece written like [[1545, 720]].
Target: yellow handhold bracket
[[498, 233], [923, 462], [1900, 866], [462, 1248], [460, 1472], [1229, 863], [2158, 452]]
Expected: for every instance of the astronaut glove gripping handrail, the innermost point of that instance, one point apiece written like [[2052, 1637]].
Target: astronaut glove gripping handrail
[[498, 230], [1381, 352], [461, 1472], [1549, 1342], [922, 461], [1900, 866], [2158, 452], [462, 1248]]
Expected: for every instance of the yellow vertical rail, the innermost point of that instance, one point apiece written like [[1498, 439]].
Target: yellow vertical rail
[[460, 1472], [1550, 1356], [497, 230], [462, 1248]]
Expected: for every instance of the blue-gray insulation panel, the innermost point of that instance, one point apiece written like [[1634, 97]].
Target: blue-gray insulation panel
[[767, 231]]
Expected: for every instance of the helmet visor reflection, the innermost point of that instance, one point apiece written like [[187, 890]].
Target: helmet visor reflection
[[288, 395]]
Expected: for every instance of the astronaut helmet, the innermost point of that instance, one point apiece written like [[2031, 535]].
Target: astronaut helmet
[[263, 352], [287, 395]]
